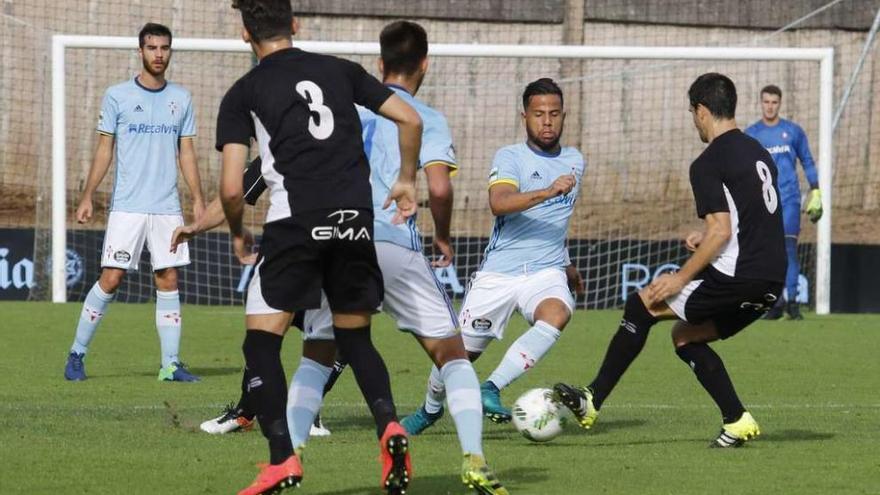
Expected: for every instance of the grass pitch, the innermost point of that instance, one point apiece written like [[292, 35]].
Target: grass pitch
[[813, 387]]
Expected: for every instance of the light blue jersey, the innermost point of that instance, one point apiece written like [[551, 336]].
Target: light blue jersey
[[383, 152], [147, 125], [534, 239]]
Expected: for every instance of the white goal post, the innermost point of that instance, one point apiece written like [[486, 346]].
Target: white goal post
[[824, 56]]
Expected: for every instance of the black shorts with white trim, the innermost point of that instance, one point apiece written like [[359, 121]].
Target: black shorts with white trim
[[330, 250], [731, 303]]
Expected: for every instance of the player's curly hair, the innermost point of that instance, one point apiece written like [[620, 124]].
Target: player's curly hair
[[265, 19]]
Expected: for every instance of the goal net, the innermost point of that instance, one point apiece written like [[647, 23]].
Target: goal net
[[627, 111]]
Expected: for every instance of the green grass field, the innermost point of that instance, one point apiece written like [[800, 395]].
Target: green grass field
[[813, 387]]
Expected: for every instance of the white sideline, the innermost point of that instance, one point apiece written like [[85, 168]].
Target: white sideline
[[825, 57]]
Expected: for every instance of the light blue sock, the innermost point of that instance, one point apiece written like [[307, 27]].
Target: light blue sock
[[525, 353], [168, 320], [436, 392], [463, 399], [92, 312], [304, 399]]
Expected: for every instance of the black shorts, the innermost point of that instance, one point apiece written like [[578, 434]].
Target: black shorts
[[329, 250], [731, 303]]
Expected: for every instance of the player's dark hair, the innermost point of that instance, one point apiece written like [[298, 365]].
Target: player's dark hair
[[404, 46], [152, 29], [716, 92], [266, 19], [543, 86], [772, 89]]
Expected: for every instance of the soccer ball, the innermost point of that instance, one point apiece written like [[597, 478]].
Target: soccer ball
[[537, 416]]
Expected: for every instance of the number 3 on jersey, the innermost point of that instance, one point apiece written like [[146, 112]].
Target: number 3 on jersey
[[321, 128], [771, 200]]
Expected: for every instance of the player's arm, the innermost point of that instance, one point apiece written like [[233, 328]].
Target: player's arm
[[440, 196], [409, 126], [189, 168], [232, 196], [100, 165], [714, 238], [505, 197], [814, 202]]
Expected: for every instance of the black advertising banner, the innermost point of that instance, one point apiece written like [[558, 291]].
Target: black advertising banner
[[612, 269]]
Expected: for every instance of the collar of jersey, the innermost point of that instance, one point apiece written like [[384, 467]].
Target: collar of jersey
[[401, 88], [149, 89], [544, 153]]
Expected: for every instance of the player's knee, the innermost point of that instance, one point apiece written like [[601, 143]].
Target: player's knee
[[320, 351], [166, 280], [110, 280], [554, 312]]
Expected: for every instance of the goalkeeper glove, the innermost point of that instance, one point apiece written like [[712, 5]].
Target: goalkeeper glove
[[814, 205]]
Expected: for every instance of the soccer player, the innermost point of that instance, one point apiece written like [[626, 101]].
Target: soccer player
[[533, 187], [732, 278], [241, 415], [318, 235], [786, 142], [150, 122], [413, 297]]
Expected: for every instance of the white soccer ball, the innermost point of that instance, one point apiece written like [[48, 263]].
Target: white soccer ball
[[537, 416]]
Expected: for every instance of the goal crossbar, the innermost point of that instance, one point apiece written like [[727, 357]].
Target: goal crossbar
[[824, 56]]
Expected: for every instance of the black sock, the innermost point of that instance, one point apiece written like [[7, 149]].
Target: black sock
[[339, 365], [244, 408], [710, 371], [369, 370], [624, 347], [267, 390]]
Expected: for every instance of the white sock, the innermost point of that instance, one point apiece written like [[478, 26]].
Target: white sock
[[436, 392], [91, 315], [464, 403], [525, 353], [168, 321], [304, 399]]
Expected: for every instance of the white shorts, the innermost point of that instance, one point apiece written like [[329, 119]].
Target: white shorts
[[126, 234], [413, 297], [492, 298]]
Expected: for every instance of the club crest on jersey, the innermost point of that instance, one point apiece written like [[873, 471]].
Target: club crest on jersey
[[172, 105]]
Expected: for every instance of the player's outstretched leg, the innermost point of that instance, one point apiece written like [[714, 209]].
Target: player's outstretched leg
[[233, 418], [522, 356], [623, 349], [579, 400], [90, 317]]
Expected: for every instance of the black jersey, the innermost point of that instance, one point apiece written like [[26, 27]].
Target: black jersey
[[300, 107], [254, 185], [736, 174]]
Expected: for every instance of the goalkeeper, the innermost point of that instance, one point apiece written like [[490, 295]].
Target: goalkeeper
[[787, 143]]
